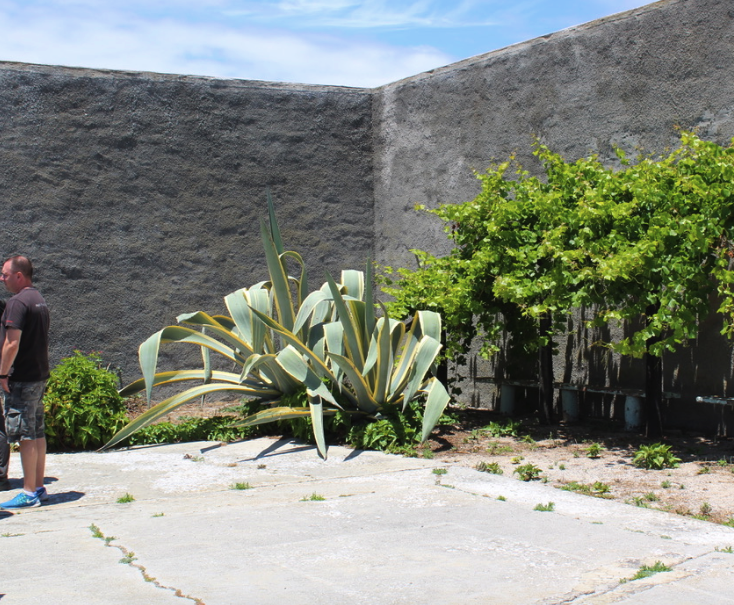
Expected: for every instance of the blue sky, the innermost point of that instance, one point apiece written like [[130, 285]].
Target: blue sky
[[343, 42]]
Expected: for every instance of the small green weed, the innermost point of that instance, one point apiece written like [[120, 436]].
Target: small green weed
[[489, 467], [313, 498], [648, 570], [240, 485], [561, 467], [597, 489], [517, 459], [497, 449], [651, 497], [126, 498], [706, 509], [158, 515], [665, 484], [508, 429], [726, 549], [527, 472], [594, 450], [655, 457], [704, 470], [501, 498], [128, 558], [546, 508], [439, 471], [9, 535]]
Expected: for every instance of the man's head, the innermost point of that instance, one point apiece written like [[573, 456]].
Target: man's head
[[17, 273]]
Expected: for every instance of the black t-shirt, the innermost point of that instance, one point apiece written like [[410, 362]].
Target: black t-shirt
[[27, 312]]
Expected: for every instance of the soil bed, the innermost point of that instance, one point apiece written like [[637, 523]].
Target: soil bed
[[702, 485]]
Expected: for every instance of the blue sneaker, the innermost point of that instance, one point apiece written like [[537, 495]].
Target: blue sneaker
[[22, 500], [42, 494]]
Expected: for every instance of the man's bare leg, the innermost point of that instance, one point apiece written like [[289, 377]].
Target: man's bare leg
[[29, 461]]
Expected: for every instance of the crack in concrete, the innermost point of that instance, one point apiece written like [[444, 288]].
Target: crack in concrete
[[129, 559]]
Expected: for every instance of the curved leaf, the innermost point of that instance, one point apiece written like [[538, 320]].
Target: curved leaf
[[182, 375], [364, 399], [170, 404], [436, 403]]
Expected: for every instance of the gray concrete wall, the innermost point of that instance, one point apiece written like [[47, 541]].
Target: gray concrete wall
[[626, 80], [139, 195]]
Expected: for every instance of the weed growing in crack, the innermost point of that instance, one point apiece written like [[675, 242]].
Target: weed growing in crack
[[126, 498], [128, 558], [646, 571], [313, 498], [545, 508]]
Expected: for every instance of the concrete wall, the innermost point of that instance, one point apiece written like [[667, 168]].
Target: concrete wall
[[628, 80], [139, 195]]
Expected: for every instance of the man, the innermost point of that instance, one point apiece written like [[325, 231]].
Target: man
[[23, 374]]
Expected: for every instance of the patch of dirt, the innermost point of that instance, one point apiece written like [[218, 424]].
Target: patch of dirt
[[702, 485]]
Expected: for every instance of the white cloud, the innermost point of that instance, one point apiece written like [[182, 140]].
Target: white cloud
[[368, 14], [86, 34]]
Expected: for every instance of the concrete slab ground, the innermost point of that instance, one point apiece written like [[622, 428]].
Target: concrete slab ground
[[359, 528]]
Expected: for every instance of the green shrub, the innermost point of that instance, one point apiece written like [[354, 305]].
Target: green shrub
[[216, 428], [508, 429], [489, 467], [527, 472], [655, 457], [83, 407]]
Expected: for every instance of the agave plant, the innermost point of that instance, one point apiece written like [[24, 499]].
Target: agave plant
[[330, 342]]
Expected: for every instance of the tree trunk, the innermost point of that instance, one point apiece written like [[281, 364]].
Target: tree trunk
[[653, 386], [545, 370]]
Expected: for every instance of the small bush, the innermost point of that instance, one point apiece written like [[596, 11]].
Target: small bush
[[594, 450], [508, 429], [489, 467], [216, 428], [83, 408], [527, 472], [655, 457]]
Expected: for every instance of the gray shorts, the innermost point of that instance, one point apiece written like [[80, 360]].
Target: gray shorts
[[24, 411]]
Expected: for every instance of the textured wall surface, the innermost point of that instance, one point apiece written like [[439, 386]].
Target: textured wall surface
[[139, 196], [626, 80]]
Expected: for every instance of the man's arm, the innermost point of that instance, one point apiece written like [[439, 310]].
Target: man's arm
[[10, 350]]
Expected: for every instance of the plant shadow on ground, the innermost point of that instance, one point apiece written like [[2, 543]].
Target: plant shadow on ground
[[702, 486]]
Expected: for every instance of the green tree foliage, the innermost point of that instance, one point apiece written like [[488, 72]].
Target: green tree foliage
[[83, 407], [649, 241]]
